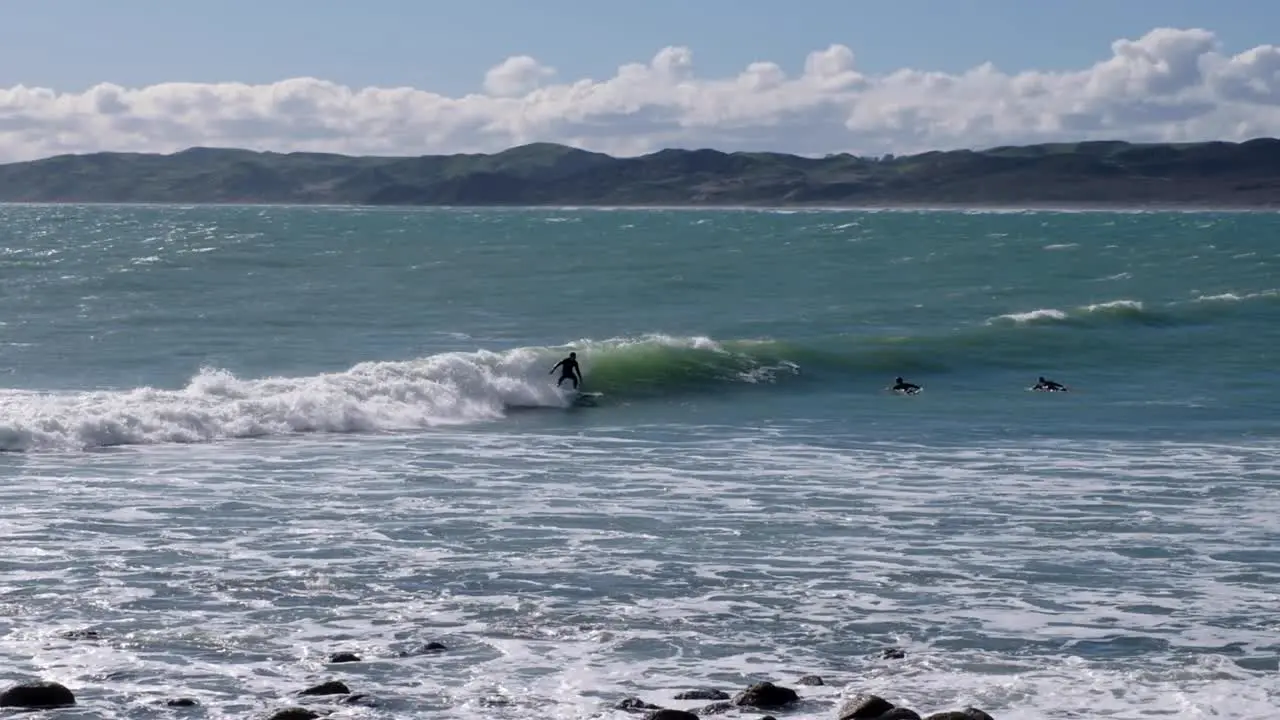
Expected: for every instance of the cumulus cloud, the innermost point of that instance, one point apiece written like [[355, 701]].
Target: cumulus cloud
[[517, 75], [1170, 84]]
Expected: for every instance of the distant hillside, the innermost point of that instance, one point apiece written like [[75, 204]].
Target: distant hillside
[[1087, 173]]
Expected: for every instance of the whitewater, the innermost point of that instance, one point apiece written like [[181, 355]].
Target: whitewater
[[235, 441]]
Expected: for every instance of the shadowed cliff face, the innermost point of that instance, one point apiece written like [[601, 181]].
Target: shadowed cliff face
[[1096, 173]]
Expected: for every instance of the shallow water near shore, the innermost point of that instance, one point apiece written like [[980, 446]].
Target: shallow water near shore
[[240, 439]]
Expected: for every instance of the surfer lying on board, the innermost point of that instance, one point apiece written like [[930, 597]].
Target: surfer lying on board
[[569, 370], [1043, 384], [902, 386]]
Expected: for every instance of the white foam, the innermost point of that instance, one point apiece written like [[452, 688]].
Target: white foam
[[1234, 297], [1035, 581], [1055, 315], [1024, 318], [1113, 305], [375, 396]]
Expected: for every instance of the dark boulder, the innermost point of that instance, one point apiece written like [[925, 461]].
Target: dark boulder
[[39, 694], [425, 649], [864, 707], [766, 695], [182, 702], [633, 704], [333, 687], [344, 657], [666, 714], [293, 713], [702, 694], [810, 680], [965, 714]]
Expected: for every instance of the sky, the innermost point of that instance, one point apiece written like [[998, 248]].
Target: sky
[[409, 77]]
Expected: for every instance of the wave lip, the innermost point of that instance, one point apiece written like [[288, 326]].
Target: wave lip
[[1027, 318], [1231, 297], [1112, 311], [1198, 309], [661, 364]]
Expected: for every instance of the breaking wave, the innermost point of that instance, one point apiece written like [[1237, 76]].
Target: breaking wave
[[482, 386], [444, 389]]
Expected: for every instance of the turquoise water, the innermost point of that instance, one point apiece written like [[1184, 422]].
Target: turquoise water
[[244, 437]]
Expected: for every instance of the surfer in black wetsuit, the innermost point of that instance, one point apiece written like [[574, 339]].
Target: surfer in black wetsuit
[[903, 386], [1043, 384], [569, 370]]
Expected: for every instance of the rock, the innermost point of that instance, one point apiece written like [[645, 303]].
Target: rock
[[293, 713], [666, 714], [86, 634], [864, 707], [360, 699], [702, 694], [719, 708], [893, 653], [900, 713], [969, 713], [344, 657], [38, 694], [766, 695], [633, 703], [333, 687], [810, 680], [427, 649], [182, 702]]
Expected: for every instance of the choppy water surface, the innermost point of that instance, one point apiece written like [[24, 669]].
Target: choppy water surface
[[242, 439]]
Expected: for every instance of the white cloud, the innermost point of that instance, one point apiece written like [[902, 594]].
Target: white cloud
[[1170, 84], [517, 75]]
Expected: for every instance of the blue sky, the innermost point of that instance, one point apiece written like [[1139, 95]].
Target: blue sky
[[447, 45], [406, 77]]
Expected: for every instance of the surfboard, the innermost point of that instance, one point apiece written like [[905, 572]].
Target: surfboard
[[581, 397], [1033, 388], [913, 391]]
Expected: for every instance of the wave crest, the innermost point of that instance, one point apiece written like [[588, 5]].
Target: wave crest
[[1127, 311], [444, 389]]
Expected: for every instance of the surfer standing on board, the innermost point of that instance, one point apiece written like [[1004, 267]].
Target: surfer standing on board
[[569, 370]]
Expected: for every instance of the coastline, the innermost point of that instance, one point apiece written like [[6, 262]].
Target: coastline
[[1083, 176], [1083, 207]]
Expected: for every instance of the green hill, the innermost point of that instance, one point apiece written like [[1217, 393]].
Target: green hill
[[1087, 173]]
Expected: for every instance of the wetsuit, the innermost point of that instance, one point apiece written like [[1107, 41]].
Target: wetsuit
[[568, 370]]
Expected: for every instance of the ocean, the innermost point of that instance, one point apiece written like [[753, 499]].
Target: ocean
[[239, 439]]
